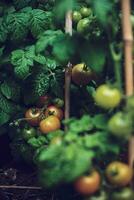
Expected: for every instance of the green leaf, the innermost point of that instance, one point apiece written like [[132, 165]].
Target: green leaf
[[40, 59], [47, 39], [1, 51], [100, 121], [40, 84], [3, 31], [7, 106], [4, 117], [40, 21], [10, 90], [23, 60], [37, 142], [64, 48], [81, 126], [102, 9], [94, 55], [18, 25]]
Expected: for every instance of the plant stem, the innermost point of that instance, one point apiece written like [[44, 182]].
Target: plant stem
[[117, 66]]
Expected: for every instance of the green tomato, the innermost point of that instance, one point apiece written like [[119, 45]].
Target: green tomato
[[83, 25], [76, 16], [120, 125], [102, 196], [58, 102], [85, 12], [28, 133], [107, 97], [123, 194], [132, 20]]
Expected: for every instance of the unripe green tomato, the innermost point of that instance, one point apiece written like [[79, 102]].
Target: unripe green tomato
[[28, 133], [76, 16], [83, 25], [120, 125], [124, 194], [85, 12], [107, 97]]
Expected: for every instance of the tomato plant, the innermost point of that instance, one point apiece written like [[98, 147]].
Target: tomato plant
[[36, 52]]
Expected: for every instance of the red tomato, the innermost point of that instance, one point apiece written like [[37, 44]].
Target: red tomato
[[32, 116]]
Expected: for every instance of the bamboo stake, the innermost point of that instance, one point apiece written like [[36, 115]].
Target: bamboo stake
[[129, 74], [68, 29], [20, 187]]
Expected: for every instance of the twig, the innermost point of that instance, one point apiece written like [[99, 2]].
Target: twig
[[68, 29], [20, 187], [128, 48]]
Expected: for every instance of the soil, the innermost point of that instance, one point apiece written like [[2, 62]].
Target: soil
[[19, 181]]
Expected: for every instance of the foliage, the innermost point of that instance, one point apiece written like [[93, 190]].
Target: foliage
[[80, 144]]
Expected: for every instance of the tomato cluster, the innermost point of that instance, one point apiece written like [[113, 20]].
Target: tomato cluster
[[81, 19], [117, 173], [46, 116]]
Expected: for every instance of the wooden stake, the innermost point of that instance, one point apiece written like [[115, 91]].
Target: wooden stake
[[129, 73], [68, 29]]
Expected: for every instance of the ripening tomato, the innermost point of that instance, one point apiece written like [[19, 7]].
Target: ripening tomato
[[87, 185], [81, 74], [76, 16], [119, 174], [85, 12], [50, 124], [53, 110], [32, 116], [107, 97]]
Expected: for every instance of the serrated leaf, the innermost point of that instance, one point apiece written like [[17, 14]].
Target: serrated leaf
[[7, 106], [40, 59], [23, 60], [40, 21], [4, 118], [18, 25], [94, 55], [10, 90], [46, 39], [3, 31]]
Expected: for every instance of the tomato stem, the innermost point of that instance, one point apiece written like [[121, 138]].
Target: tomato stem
[[117, 66]]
